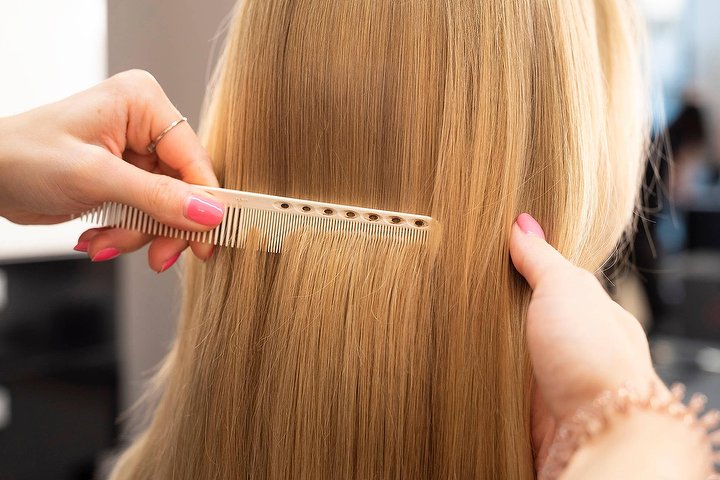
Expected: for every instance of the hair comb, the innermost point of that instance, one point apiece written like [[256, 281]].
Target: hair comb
[[274, 217]]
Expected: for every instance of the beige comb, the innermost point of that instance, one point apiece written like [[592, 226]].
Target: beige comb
[[274, 217]]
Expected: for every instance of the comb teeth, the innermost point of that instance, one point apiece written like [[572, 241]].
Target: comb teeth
[[273, 226]]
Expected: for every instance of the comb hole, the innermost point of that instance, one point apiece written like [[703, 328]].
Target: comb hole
[[306, 209], [350, 214], [420, 223], [284, 206], [395, 220], [328, 211], [373, 217]]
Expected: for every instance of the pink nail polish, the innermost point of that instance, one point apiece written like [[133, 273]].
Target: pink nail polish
[[82, 247], [204, 210], [106, 254], [529, 225], [169, 262]]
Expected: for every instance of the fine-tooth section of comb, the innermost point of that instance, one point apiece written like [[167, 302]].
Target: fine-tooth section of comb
[[273, 217]]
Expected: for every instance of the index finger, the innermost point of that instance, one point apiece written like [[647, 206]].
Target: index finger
[[150, 112], [534, 258]]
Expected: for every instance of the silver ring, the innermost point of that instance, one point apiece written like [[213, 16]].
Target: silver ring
[[153, 145]]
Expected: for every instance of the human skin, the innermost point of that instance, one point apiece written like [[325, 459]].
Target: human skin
[[582, 343], [68, 157], [65, 158]]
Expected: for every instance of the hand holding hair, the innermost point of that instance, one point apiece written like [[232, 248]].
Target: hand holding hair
[[581, 344], [62, 159]]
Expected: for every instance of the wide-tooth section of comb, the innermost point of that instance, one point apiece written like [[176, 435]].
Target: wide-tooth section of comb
[[272, 225]]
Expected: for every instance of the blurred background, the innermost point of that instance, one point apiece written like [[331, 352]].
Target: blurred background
[[78, 340]]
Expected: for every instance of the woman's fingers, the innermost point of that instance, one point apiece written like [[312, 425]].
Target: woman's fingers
[[202, 250], [102, 244], [61, 169], [546, 269], [164, 252], [580, 341], [109, 243], [83, 244], [168, 200], [150, 112], [159, 183], [532, 256]]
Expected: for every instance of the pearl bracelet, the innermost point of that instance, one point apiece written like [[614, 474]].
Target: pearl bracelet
[[589, 421]]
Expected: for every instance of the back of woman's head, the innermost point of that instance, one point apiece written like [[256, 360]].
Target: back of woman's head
[[350, 357]]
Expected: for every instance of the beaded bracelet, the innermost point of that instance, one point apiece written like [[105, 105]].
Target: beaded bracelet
[[589, 421]]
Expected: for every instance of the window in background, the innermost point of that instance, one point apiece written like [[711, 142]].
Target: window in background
[[50, 49]]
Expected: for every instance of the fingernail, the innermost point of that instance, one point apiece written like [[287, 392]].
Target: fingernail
[[204, 210], [529, 225], [106, 254], [169, 262], [81, 247]]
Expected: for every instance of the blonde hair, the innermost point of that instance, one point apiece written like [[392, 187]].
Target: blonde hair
[[347, 357]]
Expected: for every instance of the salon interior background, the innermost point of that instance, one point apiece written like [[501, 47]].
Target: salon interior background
[[78, 340]]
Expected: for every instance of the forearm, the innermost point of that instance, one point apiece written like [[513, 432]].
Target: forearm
[[643, 445], [21, 177], [5, 139], [7, 134]]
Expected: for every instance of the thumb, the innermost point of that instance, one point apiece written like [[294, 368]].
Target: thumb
[[168, 200], [532, 256]]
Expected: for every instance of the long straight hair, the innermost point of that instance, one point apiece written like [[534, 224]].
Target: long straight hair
[[350, 357]]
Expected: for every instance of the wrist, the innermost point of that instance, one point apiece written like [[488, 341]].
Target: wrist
[[624, 429], [643, 444], [13, 143], [8, 135], [4, 136]]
